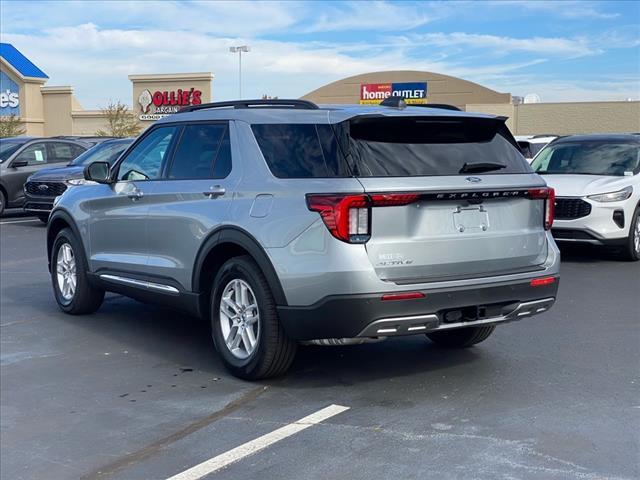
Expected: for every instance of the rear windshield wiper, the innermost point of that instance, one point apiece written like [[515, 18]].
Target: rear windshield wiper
[[481, 167]]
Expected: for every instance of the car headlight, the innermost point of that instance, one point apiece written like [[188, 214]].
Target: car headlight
[[613, 196], [79, 181]]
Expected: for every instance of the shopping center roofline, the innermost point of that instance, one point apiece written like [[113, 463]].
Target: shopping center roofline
[[20, 63]]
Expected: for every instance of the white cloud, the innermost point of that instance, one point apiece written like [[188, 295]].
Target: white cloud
[[496, 45], [376, 16], [574, 9]]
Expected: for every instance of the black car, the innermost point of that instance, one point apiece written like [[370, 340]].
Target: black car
[[23, 156], [43, 187]]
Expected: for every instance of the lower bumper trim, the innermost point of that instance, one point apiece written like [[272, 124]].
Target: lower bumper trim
[[431, 323]]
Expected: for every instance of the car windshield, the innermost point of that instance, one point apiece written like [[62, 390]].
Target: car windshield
[[102, 152], [589, 158], [8, 147]]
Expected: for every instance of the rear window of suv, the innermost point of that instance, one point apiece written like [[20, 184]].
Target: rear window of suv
[[388, 147]]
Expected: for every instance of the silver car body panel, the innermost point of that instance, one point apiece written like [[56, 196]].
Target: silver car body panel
[[159, 233]]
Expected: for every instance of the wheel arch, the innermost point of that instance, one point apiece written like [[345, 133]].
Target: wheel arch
[[57, 222], [220, 246]]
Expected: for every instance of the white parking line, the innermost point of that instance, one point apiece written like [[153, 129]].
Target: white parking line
[[20, 221], [216, 463]]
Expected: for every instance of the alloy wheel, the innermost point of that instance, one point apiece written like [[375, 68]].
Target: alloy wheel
[[239, 319], [66, 271]]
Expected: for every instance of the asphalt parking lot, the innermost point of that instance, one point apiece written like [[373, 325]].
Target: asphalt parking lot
[[136, 391]]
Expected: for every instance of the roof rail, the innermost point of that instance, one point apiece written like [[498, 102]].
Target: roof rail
[[275, 103], [443, 106]]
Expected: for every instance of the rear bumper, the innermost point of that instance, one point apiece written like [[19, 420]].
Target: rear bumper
[[350, 316]]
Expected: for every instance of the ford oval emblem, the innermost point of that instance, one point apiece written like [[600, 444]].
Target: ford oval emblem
[[43, 187], [473, 179]]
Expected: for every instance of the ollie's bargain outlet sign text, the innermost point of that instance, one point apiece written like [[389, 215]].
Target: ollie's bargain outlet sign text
[[411, 92], [162, 103]]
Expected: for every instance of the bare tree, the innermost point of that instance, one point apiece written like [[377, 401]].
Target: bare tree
[[121, 122], [11, 126]]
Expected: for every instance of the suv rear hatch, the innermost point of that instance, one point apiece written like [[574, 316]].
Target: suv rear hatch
[[450, 197], [443, 197]]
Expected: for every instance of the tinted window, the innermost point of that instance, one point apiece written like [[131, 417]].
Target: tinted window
[[298, 151], [589, 158], [388, 147], [63, 152], [199, 152], [145, 160], [35, 154], [102, 152], [8, 148], [222, 166], [424, 146]]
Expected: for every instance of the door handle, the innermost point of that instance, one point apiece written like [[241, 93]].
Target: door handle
[[135, 194], [215, 191]]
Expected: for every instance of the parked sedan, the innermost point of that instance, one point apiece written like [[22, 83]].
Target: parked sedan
[[43, 187], [22, 156], [597, 184]]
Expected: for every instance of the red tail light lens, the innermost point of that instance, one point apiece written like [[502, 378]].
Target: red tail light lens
[[540, 282], [393, 199], [549, 195], [348, 217], [402, 296]]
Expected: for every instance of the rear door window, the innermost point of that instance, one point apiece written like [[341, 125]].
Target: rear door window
[[203, 152], [60, 152]]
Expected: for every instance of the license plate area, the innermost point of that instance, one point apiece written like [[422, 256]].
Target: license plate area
[[471, 219]]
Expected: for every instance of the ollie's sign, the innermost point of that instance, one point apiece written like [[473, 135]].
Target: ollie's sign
[[162, 103], [411, 92]]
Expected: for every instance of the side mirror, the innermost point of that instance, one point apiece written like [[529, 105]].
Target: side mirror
[[98, 172], [19, 163]]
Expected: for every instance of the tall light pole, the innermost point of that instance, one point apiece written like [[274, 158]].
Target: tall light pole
[[239, 49]]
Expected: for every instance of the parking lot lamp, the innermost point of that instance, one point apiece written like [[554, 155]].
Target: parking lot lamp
[[239, 49]]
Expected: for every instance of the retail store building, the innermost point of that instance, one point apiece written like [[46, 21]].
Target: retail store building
[[54, 110]]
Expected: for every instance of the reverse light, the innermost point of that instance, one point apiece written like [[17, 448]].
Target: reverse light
[[547, 194], [613, 196], [541, 282], [348, 217]]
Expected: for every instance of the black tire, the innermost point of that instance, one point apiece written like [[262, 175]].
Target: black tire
[[461, 337], [629, 251], [86, 298], [43, 218], [274, 351], [3, 202]]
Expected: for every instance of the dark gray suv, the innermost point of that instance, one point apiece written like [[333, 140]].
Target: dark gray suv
[[22, 156], [283, 222]]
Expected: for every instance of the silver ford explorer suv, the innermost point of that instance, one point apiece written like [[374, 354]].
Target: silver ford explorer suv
[[282, 222]]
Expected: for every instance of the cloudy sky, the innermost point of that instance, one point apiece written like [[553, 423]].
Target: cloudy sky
[[563, 51]]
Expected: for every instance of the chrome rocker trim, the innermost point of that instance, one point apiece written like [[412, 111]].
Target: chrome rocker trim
[[140, 283]]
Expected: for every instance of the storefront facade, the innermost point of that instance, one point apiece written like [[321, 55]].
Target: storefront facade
[[54, 110]]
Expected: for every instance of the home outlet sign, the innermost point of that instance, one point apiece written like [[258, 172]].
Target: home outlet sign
[[158, 104]]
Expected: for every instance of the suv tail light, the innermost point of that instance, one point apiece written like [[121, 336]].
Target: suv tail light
[[348, 217], [548, 194]]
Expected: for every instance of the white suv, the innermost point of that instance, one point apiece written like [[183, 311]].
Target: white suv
[[597, 184]]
